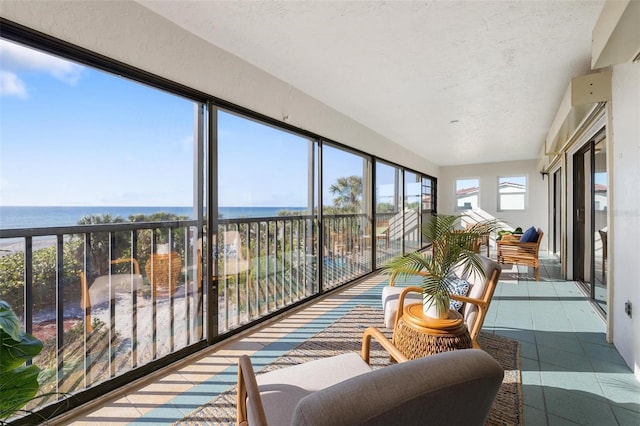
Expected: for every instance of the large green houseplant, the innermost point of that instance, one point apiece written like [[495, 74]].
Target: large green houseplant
[[453, 249], [18, 382]]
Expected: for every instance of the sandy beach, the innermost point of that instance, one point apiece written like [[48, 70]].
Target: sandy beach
[[12, 245]]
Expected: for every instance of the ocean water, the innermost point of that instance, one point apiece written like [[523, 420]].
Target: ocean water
[[12, 217]]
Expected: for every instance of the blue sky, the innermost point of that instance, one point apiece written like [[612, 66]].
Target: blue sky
[[71, 135]]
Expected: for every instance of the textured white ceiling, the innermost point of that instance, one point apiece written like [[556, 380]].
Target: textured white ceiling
[[458, 82]]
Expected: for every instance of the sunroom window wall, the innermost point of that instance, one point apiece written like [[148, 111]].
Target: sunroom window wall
[[345, 217], [139, 282], [388, 228], [100, 223], [411, 214]]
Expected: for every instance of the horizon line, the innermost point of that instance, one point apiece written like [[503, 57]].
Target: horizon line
[[137, 206]]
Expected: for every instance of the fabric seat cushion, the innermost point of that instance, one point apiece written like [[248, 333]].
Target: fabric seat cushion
[[477, 287], [390, 296], [281, 389], [120, 284]]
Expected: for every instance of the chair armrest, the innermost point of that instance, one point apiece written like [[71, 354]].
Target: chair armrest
[[248, 388], [483, 307], [479, 303], [136, 266], [386, 344], [514, 249], [517, 244]]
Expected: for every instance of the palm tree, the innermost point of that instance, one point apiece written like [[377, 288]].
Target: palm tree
[[347, 192], [452, 250]]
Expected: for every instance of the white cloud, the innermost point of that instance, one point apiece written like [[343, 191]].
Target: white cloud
[[11, 85], [16, 58]]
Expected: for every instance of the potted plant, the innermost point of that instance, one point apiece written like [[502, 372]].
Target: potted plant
[[18, 382], [453, 249]]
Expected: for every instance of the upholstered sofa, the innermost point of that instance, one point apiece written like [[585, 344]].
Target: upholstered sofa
[[452, 388]]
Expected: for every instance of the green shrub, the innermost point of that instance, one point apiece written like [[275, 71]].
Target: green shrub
[[44, 277]]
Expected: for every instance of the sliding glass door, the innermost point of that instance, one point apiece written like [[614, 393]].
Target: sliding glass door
[[557, 213], [590, 220]]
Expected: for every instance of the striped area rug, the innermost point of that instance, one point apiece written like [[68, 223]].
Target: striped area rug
[[345, 335]]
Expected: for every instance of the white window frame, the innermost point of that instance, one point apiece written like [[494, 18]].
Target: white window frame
[[457, 207], [524, 192]]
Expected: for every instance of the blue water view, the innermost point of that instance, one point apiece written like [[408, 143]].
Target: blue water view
[[12, 217]]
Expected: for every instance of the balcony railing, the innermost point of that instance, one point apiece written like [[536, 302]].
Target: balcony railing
[[98, 298], [106, 299], [263, 265]]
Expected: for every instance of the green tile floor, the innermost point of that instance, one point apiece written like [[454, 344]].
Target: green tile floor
[[570, 374]]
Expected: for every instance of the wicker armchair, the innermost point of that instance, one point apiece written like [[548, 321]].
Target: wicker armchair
[[475, 304], [515, 252]]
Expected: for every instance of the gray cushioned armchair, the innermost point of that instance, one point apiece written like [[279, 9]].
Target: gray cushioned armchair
[[453, 388]]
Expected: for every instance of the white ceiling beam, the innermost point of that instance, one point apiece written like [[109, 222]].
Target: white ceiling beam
[[616, 35]]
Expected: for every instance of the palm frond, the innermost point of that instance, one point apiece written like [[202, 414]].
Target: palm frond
[[409, 264], [452, 249]]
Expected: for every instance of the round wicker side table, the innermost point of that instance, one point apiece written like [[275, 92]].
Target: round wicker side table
[[417, 335]]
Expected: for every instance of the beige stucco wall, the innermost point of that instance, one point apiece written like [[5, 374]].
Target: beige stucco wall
[[128, 32], [624, 251]]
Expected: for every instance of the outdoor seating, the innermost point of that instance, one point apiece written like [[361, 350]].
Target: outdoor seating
[[231, 254], [344, 390], [482, 241], [337, 244], [475, 303], [381, 235], [163, 272], [104, 287], [518, 252]]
